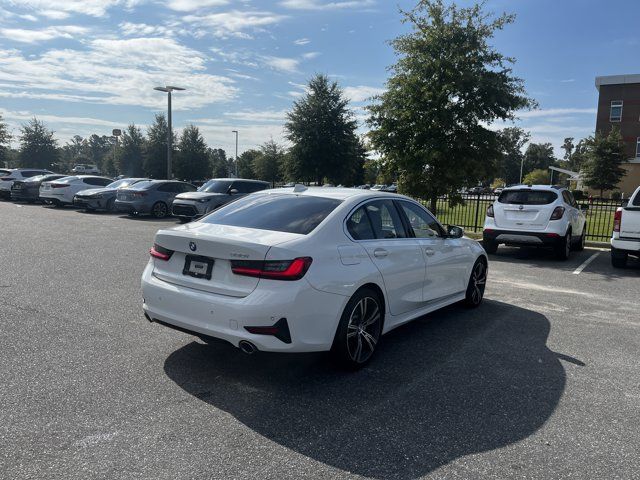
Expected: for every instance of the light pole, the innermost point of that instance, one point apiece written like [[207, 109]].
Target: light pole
[[236, 132], [521, 168], [168, 89]]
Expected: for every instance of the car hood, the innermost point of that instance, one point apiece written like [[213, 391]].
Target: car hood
[[199, 195], [94, 191]]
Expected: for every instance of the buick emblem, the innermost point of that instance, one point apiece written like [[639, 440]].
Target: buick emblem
[[521, 207], [192, 246]]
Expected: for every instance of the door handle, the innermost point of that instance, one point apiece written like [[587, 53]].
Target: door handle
[[380, 253], [430, 252]]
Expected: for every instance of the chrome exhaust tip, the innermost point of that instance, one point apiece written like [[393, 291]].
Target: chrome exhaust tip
[[247, 347]]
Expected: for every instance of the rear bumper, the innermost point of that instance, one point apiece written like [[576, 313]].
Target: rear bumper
[[630, 246], [312, 316], [60, 199], [94, 203], [24, 195], [516, 237], [132, 207]]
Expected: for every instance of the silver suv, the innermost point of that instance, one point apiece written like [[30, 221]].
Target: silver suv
[[535, 215]]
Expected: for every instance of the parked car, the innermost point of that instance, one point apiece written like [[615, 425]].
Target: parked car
[[86, 169], [61, 192], [309, 269], [150, 197], [391, 188], [625, 240], [378, 187], [28, 190], [6, 181], [536, 215], [103, 198], [498, 190], [213, 194]]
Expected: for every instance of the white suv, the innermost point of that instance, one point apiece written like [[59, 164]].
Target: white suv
[[535, 215], [86, 169], [7, 179], [625, 240]]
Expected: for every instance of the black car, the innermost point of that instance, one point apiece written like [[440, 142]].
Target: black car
[[28, 190]]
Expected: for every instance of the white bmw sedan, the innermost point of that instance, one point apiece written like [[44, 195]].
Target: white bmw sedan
[[310, 269]]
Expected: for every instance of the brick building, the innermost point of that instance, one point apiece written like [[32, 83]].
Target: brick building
[[619, 104]]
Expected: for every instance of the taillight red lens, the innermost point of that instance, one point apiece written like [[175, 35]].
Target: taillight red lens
[[272, 269], [59, 185], [139, 194], [160, 253], [557, 214], [490, 213], [617, 220]]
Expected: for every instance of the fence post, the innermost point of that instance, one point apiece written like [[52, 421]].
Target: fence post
[[475, 223]]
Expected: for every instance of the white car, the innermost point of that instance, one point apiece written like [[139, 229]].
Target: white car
[[535, 215], [309, 269], [61, 192], [9, 176], [86, 169], [625, 240]]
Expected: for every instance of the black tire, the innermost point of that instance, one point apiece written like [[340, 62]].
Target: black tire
[[563, 248], [160, 210], [579, 247], [359, 330], [619, 259], [477, 284], [490, 246], [111, 205]]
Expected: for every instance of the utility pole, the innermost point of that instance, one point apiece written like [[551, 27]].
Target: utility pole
[[168, 89], [236, 161]]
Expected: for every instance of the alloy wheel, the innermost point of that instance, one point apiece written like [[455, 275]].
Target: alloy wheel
[[478, 282], [363, 330], [159, 210]]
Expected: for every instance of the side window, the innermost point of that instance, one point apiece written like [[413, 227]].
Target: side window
[[421, 221], [566, 198], [256, 187], [242, 187], [187, 187], [359, 226], [167, 187], [385, 219], [99, 182], [572, 200]]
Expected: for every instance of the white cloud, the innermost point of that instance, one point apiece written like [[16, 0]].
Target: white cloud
[[311, 55], [63, 8], [191, 5], [302, 41], [25, 116], [233, 23], [552, 112], [282, 64], [319, 5], [118, 72], [362, 92], [144, 30], [267, 116], [42, 35]]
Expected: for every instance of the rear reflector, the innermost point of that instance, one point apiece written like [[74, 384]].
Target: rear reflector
[[552, 235], [160, 253], [280, 330], [557, 214], [272, 269], [617, 220]]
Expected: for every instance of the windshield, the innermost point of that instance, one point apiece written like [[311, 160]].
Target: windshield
[[280, 213], [216, 186], [140, 185], [527, 197], [125, 182], [67, 180]]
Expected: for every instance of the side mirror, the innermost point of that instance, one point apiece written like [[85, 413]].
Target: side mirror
[[454, 232], [233, 191]]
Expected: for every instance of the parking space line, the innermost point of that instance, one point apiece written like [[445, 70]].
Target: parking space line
[[579, 270]]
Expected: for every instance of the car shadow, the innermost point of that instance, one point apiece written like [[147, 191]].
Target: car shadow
[[453, 383], [147, 218]]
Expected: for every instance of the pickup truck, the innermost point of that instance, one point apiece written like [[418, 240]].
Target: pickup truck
[[626, 232]]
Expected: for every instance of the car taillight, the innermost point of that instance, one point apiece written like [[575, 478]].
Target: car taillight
[[59, 185], [617, 220], [490, 213], [6, 179], [557, 214], [272, 269], [160, 253], [138, 194]]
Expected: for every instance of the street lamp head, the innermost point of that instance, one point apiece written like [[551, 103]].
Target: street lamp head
[[234, 131], [161, 89], [168, 88], [175, 88]]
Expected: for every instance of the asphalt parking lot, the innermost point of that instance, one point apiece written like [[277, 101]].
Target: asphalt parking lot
[[540, 382]]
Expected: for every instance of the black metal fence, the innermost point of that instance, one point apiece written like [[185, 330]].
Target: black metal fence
[[470, 214]]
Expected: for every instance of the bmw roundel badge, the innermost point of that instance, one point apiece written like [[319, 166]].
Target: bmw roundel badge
[[192, 246]]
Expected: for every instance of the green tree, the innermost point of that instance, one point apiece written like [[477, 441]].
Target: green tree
[[246, 160], [131, 152], [538, 176], [98, 148], [512, 140], [5, 139], [539, 156], [448, 85], [38, 147], [192, 159], [218, 163], [578, 156], [322, 130], [604, 154], [155, 158], [268, 165]]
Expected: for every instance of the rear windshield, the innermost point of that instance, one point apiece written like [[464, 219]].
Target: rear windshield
[[141, 185], [527, 197], [280, 213], [67, 179], [125, 182], [216, 186]]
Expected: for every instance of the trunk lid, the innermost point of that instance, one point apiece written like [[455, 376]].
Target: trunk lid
[[527, 210], [217, 243]]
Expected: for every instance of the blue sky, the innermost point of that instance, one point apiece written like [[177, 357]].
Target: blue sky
[[87, 66]]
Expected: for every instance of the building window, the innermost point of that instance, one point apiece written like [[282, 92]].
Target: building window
[[638, 148], [615, 115]]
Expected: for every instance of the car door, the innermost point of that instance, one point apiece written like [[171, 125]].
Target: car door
[[572, 213], [168, 191], [447, 259], [398, 258]]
